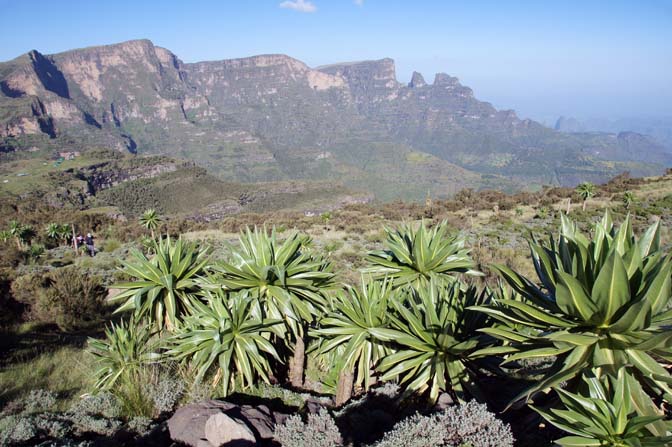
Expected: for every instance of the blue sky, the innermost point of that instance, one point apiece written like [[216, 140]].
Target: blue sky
[[580, 58]]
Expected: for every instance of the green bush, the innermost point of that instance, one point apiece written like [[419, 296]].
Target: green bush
[[30, 290], [68, 296], [110, 245], [605, 416], [74, 298]]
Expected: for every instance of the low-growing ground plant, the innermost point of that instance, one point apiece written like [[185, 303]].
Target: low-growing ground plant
[[319, 430], [469, 424]]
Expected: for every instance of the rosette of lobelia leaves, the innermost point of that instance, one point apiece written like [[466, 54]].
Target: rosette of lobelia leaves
[[353, 328], [151, 220], [601, 303], [415, 256], [605, 416], [224, 338], [432, 335], [162, 284], [286, 283], [125, 350]]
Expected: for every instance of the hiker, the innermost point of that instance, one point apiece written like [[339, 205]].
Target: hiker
[[89, 244]]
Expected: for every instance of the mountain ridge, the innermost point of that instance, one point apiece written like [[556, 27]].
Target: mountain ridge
[[272, 117]]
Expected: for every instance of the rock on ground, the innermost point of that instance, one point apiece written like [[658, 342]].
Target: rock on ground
[[196, 425], [223, 430]]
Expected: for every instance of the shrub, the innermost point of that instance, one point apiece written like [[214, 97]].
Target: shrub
[[122, 354], [319, 430], [433, 334], [29, 290], [75, 298], [161, 284], [225, 337], [14, 429], [68, 296], [468, 424], [38, 401], [110, 245], [102, 404], [140, 424], [165, 393]]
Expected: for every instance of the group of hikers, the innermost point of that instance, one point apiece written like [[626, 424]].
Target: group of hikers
[[81, 241]]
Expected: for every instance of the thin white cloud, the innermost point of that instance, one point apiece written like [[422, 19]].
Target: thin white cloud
[[299, 5], [359, 2]]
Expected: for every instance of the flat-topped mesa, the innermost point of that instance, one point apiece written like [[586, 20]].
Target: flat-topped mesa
[[263, 67], [417, 80], [377, 74], [260, 61]]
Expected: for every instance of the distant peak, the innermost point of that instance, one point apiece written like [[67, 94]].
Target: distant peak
[[444, 79], [417, 80]]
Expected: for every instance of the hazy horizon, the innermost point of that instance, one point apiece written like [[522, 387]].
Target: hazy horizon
[[592, 59]]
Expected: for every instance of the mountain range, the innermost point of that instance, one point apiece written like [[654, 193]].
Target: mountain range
[[273, 118], [659, 128]]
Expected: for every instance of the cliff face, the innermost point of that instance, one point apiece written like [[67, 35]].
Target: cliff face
[[272, 117]]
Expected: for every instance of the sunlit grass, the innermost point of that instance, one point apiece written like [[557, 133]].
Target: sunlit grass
[[63, 370]]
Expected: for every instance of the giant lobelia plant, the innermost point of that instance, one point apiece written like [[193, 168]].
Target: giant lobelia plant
[[224, 337], [121, 355], [285, 282], [354, 326], [601, 303], [605, 416], [433, 334], [414, 257], [162, 284]]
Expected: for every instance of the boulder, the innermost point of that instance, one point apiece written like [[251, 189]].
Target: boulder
[[187, 425], [195, 424], [221, 430]]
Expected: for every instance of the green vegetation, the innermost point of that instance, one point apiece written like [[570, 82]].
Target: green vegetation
[[606, 416], [414, 257], [586, 190], [433, 335], [226, 336], [120, 357], [150, 220], [603, 305], [378, 305], [287, 284], [162, 284]]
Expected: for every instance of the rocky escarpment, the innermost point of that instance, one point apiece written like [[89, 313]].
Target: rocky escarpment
[[108, 174], [271, 117]]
